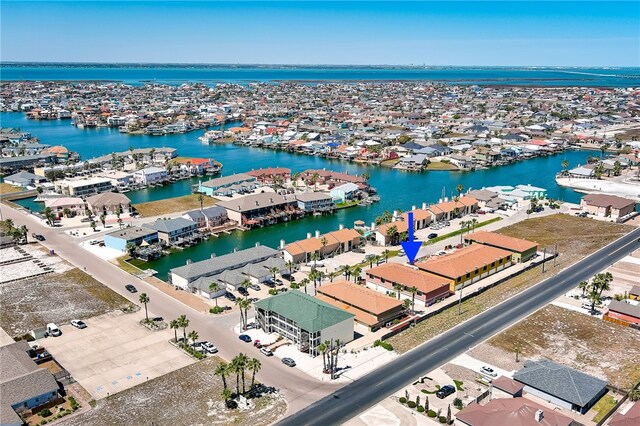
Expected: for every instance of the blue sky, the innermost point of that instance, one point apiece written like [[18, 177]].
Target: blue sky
[[433, 33]]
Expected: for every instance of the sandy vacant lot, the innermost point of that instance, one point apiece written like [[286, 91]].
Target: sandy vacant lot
[[588, 344], [188, 396]]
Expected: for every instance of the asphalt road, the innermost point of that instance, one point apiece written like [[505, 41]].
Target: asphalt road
[[298, 388], [363, 393]]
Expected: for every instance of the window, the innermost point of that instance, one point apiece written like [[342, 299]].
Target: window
[[468, 274]]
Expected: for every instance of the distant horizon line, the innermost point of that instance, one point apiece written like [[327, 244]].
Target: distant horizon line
[[248, 64]]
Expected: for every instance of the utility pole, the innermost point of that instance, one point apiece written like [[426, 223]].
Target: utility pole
[[555, 253], [544, 256], [460, 299]]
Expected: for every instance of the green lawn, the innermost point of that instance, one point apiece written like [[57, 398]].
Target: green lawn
[[603, 406], [459, 231]]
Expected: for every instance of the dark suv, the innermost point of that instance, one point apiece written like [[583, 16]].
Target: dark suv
[[230, 296], [243, 291], [445, 391]]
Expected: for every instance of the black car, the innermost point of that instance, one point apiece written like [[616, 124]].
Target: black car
[[432, 235], [445, 391], [230, 296], [270, 284], [39, 237], [131, 288], [358, 250], [243, 291]]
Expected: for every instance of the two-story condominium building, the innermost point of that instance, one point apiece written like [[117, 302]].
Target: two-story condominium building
[[173, 231], [304, 320], [228, 271], [522, 250], [260, 209], [469, 264], [150, 176], [394, 277], [340, 241], [108, 203], [604, 205], [311, 202], [209, 217], [269, 174], [239, 183], [74, 205], [448, 210], [371, 308], [136, 235], [83, 187]]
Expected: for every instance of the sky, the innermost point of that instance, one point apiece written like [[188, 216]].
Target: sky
[[525, 33]]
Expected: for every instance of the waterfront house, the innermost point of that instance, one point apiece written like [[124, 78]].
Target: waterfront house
[[210, 217], [447, 210], [513, 411], [311, 202], [344, 192], [23, 384], [73, 205], [469, 264], [487, 200], [119, 239], [150, 176], [82, 187], [24, 179], [226, 269], [389, 276], [604, 205], [173, 231], [9, 164], [228, 185], [304, 320], [268, 175], [581, 172], [384, 233], [560, 385], [197, 166], [108, 203], [371, 308], [522, 250], [623, 311], [260, 209], [340, 241]]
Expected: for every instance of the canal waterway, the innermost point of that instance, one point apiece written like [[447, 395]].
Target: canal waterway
[[397, 189]]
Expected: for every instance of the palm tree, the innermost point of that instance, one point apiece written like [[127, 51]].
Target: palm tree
[[473, 223], [130, 247], [304, 283], [49, 215], [594, 297], [193, 336], [238, 369], [246, 282], [584, 286], [241, 363], [294, 179], [290, 265], [245, 304], [346, 271], [103, 219], [413, 291], [459, 188], [386, 254], [603, 280], [183, 323], [565, 166], [254, 365], [398, 289], [175, 325], [238, 303], [214, 288], [313, 276], [392, 233], [322, 348], [222, 370], [323, 242], [201, 200], [145, 299], [274, 271], [356, 271], [366, 176], [634, 395], [463, 224]]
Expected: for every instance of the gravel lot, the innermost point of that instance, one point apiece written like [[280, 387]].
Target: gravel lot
[[189, 396]]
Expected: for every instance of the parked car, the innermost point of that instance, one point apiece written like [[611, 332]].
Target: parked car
[[38, 237], [251, 325], [488, 371], [289, 362], [208, 347], [78, 324], [481, 212], [131, 288], [315, 263], [257, 343], [432, 235], [85, 220], [255, 287], [53, 330], [230, 296], [445, 391], [245, 338], [286, 276], [243, 291], [270, 284], [266, 351], [358, 250]]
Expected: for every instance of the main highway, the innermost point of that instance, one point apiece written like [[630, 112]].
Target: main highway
[[361, 394]]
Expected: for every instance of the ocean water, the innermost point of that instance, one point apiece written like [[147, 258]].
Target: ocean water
[[212, 74]]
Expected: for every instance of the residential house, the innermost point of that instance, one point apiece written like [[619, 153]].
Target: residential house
[[604, 205], [239, 183], [487, 200], [304, 320], [522, 250], [269, 175], [340, 241], [24, 179], [344, 192], [259, 209], [561, 385], [209, 217], [311, 202], [73, 205], [505, 387], [634, 293], [150, 176], [394, 277], [631, 417], [173, 231], [627, 312], [514, 411], [80, 187], [108, 203], [119, 239]]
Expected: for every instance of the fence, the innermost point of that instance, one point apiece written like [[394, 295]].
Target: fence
[[617, 406]]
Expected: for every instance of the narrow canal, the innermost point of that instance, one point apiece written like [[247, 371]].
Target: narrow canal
[[397, 189]]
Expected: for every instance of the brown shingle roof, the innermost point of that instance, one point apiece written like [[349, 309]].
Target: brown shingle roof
[[508, 385], [361, 297], [512, 412], [604, 200], [502, 241], [463, 261], [408, 277]]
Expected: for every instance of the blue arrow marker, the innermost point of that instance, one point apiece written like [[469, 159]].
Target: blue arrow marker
[[411, 247]]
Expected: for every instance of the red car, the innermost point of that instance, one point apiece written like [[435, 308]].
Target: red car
[[257, 344]]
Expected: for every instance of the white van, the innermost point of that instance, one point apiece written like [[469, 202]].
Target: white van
[[53, 330]]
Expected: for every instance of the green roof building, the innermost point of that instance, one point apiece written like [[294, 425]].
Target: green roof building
[[304, 320]]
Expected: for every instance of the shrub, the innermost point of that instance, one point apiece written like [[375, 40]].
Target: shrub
[[431, 413], [457, 403], [403, 400], [411, 404], [386, 345], [420, 409], [273, 291], [294, 286], [45, 412], [216, 310], [43, 422], [442, 419]]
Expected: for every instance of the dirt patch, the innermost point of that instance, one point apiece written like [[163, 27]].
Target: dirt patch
[[173, 205], [5, 188], [470, 388], [578, 341], [190, 395], [57, 297], [576, 238]]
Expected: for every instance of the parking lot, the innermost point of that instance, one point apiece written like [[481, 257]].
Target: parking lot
[[115, 353]]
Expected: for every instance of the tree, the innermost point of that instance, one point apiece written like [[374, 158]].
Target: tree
[[356, 271], [175, 325], [240, 364], [398, 288], [385, 254], [602, 282], [366, 176], [594, 297], [214, 288], [294, 179], [392, 233], [130, 247], [183, 323], [346, 271], [254, 365], [565, 166], [201, 200], [304, 283], [584, 286], [617, 168], [274, 271], [459, 188], [322, 348], [93, 224], [634, 395], [193, 336], [323, 242], [238, 303], [290, 265], [221, 371], [49, 215], [145, 299], [463, 224], [413, 291], [473, 224], [103, 219]]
